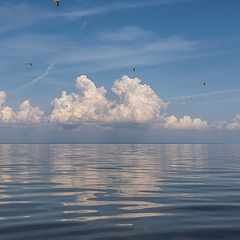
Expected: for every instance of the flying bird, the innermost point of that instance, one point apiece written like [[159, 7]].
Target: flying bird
[[57, 2], [204, 84], [28, 64], [134, 69]]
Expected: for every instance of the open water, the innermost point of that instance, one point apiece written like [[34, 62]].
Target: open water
[[103, 192]]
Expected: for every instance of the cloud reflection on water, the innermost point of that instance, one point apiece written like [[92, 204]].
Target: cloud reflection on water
[[86, 183]]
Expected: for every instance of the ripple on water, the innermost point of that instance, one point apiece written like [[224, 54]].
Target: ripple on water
[[119, 192]]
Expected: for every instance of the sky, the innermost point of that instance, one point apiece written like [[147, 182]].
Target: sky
[[81, 87]]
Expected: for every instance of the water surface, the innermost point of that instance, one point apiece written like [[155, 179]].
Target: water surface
[[165, 191]]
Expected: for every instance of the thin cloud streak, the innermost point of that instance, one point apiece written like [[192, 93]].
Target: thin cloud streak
[[42, 76], [35, 79], [109, 55], [205, 94], [15, 16], [114, 7]]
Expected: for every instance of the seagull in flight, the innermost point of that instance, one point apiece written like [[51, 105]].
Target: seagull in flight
[[57, 2], [29, 64]]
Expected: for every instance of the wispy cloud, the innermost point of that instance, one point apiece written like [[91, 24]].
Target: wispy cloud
[[17, 15], [120, 5], [205, 94], [109, 55], [143, 48], [126, 34]]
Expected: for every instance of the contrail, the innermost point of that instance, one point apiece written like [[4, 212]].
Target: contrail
[[40, 77], [35, 79], [205, 94]]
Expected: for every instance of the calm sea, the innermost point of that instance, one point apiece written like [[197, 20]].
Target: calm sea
[[169, 192]]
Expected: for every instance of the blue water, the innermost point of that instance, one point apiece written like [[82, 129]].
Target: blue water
[[176, 192]]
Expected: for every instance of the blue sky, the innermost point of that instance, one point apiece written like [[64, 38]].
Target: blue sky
[[174, 44]]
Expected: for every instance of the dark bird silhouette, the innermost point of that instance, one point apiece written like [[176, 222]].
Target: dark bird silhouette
[[57, 2], [28, 64], [134, 69], [204, 84]]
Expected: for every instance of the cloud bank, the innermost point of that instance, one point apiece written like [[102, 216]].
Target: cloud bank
[[24, 114], [136, 103], [185, 122], [233, 124]]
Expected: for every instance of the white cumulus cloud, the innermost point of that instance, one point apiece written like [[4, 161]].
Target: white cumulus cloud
[[3, 96], [234, 124], [25, 113], [219, 124], [88, 104], [137, 103], [185, 122]]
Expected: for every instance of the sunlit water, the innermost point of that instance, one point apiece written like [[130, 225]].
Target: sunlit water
[[176, 192]]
